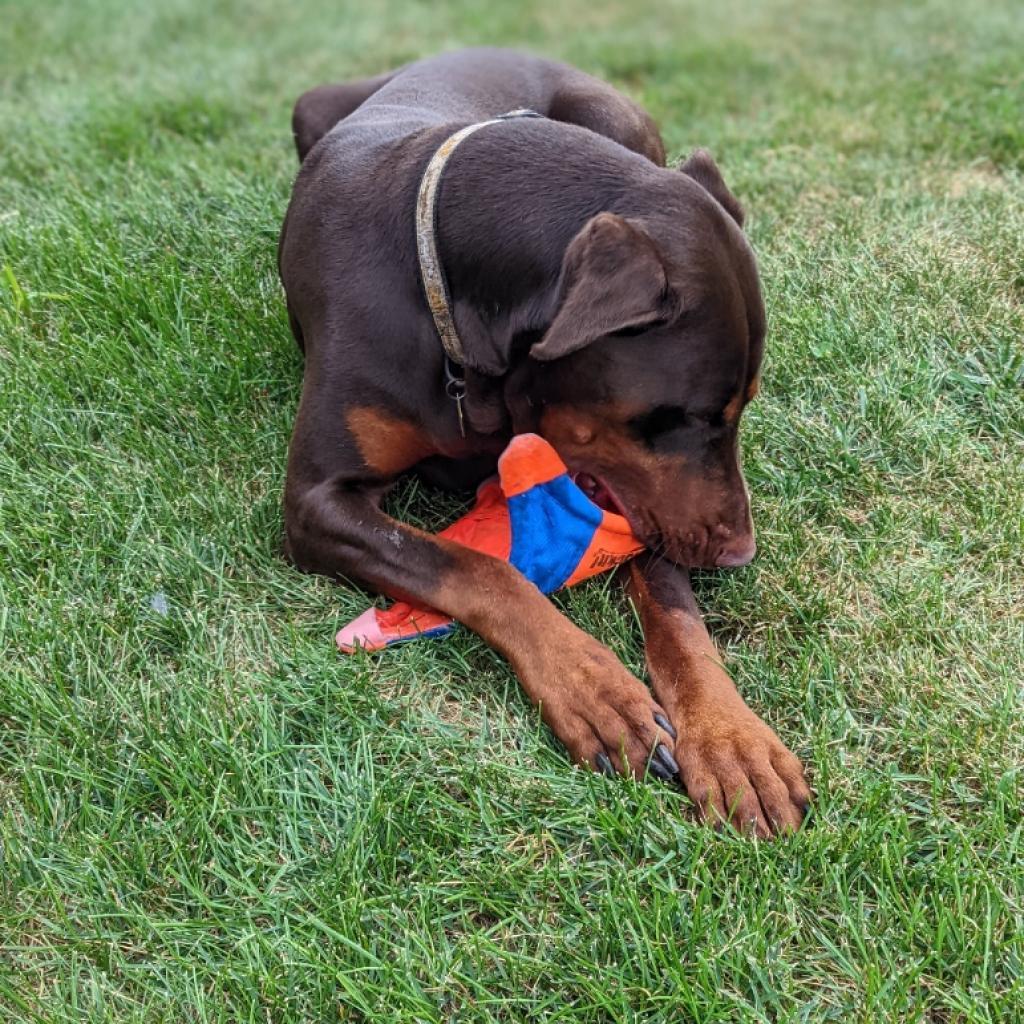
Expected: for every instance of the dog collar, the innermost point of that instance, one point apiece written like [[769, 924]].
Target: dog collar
[[435, 285]]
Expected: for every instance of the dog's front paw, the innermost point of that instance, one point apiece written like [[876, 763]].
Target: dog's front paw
[[736, 769], [607, 719]]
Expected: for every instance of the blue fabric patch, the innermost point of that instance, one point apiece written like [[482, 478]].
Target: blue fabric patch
[[552, 527], [427, 634]]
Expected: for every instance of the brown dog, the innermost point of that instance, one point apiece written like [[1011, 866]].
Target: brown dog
[[601, 300]]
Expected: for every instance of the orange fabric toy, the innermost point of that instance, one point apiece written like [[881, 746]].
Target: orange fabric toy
[[534, 515]]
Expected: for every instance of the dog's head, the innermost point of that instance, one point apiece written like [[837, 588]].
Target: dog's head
[[653, 351]]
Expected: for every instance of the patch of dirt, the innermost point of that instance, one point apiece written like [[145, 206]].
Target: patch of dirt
[[980, 177]]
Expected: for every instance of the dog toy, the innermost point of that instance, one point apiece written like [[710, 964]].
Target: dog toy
[[532, 514]]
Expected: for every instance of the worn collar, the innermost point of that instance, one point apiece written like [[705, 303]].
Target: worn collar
[[435, 285]]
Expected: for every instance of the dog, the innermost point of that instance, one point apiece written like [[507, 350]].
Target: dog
[[596, 297]]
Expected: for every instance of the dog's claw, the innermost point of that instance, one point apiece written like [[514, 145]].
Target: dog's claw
[[666, 759], [659, 771], [663, 723], [604, 764]]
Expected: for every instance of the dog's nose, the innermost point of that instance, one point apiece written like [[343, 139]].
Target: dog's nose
[[737, 552]]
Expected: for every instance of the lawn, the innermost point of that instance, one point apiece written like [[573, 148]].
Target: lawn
[[208, 815]]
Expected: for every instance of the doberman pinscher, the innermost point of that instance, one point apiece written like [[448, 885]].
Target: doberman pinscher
[[604, 301]]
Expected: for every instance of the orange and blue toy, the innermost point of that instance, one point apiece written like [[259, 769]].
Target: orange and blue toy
[[532, 514]]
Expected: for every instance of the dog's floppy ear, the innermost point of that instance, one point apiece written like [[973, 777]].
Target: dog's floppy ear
[[612, 279], [704, 171]]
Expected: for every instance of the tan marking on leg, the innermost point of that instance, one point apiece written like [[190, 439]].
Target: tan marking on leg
[[732, 411], [753, 388], [730, 760], [387, 444]]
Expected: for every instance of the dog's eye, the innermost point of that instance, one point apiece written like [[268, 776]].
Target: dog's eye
[[661, 420]]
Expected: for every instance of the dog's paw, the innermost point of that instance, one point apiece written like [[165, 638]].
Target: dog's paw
[[737, 770], [607, 719]]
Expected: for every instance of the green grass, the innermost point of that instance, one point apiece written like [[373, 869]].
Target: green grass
[[207, 815]]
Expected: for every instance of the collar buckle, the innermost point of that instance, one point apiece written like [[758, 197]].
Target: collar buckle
[[455, 388]]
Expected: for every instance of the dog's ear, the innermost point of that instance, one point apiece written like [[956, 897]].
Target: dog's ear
[[612, 279], [704, 171]]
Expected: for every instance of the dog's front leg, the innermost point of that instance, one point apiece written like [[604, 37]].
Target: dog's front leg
[[604, 715], [732, 764]]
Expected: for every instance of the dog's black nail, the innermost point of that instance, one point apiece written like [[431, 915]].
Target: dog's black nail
[[663, 755], [659, 771], [604, 764], [663, 723]]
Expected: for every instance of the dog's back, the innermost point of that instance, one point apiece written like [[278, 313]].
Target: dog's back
[[474, 84]]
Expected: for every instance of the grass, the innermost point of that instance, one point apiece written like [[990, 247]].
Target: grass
[[208, 815]]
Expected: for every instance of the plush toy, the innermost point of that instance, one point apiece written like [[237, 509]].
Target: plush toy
[[534, 515]]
